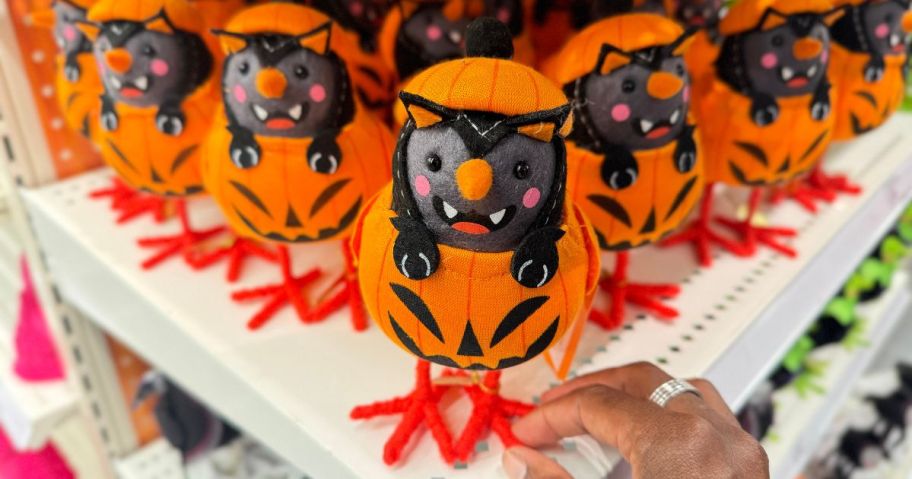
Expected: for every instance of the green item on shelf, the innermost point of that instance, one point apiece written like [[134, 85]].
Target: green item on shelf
[[842, 309], [857, 337], [809, 380], [892, 250], [795, 358], [904, 231], [872, 274]]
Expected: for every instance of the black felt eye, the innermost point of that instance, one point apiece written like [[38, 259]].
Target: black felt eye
[[301, 72], [778, 40], [629, 86], [889, 18], [244, 67], [680, 69], [433, 162], [521, 170], [148, 51]]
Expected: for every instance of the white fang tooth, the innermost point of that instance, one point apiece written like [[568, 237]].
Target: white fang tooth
[[142, 83], [787, 73], [812, 71], [260, 112], [894, 40], [449, 210], [496, 218], [116, 83], [295, 112], [646, 125], [675, 116]]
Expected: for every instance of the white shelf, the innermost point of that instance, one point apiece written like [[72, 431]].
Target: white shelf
[[291, 386], [800, 422], [157, 460]]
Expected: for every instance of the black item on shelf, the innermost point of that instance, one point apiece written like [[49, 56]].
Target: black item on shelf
[[894, 411], [862, 449], [904, 371], [782, 377], [828, 330], [187, 425], [758, 414]]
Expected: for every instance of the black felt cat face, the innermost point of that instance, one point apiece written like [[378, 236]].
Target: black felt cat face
[[699, 13], [789, 59], [485, 203], [367, 14], [68, 37], [439, 37], [637, 100], [883, 25], [139, 66], [276, 87]]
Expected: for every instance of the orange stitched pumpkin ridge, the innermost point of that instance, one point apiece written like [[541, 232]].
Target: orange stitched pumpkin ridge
[[292, 156], [472, 258], [769, 109], [635, 157]]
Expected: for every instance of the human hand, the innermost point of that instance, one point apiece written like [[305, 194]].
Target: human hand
[[691, 437]]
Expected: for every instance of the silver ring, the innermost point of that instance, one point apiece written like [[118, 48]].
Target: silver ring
[[672, 389]]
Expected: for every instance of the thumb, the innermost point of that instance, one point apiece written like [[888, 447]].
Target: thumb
[[521, 462]]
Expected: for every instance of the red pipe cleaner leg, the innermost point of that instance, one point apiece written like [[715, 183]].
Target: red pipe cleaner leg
[[702, 236], [349, 293], [817, 186], [754, 236], [490, 411], [131, 204], [237, 253], [621, 292], [419, 406], [180, 244], [289, 291]]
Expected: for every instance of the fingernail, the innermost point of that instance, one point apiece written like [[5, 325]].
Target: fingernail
[[515, 467]]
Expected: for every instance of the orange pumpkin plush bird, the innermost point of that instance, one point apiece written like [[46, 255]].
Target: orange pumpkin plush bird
[[472, 258], [635, 160], [159, 94], [292, 155], [769, 110]]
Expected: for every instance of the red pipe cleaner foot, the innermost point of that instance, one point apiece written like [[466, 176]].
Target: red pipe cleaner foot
[[817, 186], [702, 236], [289, 291], [418, 407], [622, 292], [237, 252], [131, 204], [182, 243], [349, 294], [490, 411], [755, 236]]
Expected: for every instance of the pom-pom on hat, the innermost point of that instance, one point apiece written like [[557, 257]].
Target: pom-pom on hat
[[748, 15], [486, 81]]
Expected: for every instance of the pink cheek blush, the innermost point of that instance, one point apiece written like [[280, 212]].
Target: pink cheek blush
[[769, 61], [160, 67], [882, 30], [240, 94], [620, 112], [433, 32], [422, 185], [531, 198], [687, 93], [824, 56], [503, 15], [317, 93], [69, 33], [356, 8]]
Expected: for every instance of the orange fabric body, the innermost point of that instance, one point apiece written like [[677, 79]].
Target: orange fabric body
[[701, 58], [152, 161], [216, 13], [80, 102], [860, 106], [738, 152], [476, 288], [655, 205], [282, 198]]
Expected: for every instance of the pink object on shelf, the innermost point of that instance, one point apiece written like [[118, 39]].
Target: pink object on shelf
[[45, 463], [36, 356]]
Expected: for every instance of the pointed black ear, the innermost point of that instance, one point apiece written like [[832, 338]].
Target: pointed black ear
[[681, 44], [317, 39], [611, 58], [160, 23], [771, 19], [424, 112], [231, 42]]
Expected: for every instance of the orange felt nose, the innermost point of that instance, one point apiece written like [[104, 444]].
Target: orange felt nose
[[664, 85], [907, 22], [271, 83], [807, 48], [474, 179], [119, 60]]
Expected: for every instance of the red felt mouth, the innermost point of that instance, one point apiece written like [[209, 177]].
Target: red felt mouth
[[798, 82], [130, 92], [471, 228], [659, 132], [280, 124], [899, 48]]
